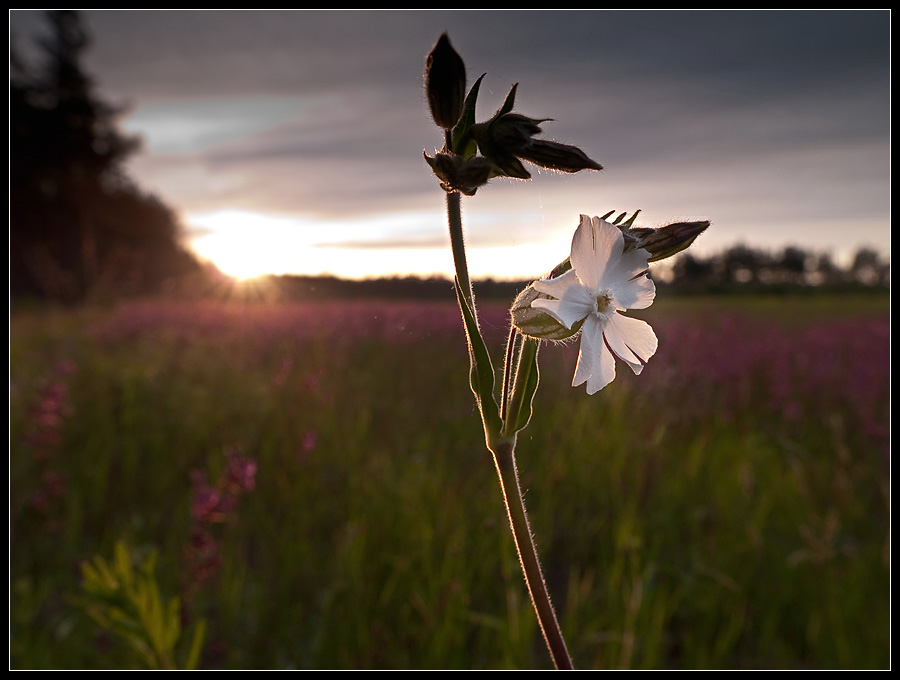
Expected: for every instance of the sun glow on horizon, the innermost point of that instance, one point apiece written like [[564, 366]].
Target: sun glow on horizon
[[240, 243], [246, 244]]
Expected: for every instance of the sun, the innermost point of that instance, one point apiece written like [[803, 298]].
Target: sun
[[244, 244]]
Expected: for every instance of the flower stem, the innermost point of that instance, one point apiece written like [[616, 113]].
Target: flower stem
[[503, 450], [458, 246], [505, 460]]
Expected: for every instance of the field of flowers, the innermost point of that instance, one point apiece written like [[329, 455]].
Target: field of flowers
[[313, 481]]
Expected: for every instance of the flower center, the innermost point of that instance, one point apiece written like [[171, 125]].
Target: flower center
[[604, 303]]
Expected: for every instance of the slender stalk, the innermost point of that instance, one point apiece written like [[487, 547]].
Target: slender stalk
[[503, 450], [458, 246], [505, 460]]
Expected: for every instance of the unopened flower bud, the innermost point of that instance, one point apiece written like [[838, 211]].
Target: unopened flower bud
[[556, 156], [465, 175], [665, 241], [508, 138], [537, 323], [445, 83], [512, 131]]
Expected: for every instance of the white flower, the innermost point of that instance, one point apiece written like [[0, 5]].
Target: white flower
[[603, 281]]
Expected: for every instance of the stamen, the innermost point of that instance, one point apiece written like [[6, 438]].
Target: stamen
[[603, 301]]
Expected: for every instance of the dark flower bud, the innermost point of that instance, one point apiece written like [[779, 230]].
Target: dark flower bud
[[500, 143], [665, 241], [556, 156], [513, 131], [465, 175], [508, 138], [445, 83]]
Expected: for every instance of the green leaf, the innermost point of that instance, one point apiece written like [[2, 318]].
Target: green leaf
[[193, 658], [124, 597], [481, 372]]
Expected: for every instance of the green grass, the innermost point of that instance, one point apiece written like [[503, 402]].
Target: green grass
[[685, 518]]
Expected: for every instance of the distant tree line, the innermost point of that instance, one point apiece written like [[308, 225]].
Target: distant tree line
[[739, 269], [742, 268], [79, 226]]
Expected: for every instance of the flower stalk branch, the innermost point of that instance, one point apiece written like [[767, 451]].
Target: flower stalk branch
[[519, 385], [606, 274]]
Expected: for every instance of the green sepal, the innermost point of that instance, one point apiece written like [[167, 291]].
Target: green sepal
[[519, 400], [561, 268], [538, 323], [463, 144], [508, 103]]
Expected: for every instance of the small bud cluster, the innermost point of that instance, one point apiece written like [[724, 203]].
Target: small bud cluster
[[503, 141]]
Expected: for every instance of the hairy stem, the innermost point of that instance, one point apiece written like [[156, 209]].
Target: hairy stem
[[458, 246], [505, 460], [503, 450]]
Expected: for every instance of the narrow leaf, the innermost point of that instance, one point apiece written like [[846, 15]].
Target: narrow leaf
[[481, 374], [193, 658]]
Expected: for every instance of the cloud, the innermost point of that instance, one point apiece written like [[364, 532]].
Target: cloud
[[774, 124]]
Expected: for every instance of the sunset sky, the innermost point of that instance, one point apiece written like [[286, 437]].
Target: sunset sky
[[292, 141]]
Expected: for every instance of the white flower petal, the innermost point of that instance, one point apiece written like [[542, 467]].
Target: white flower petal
[[595, 246], [574, 301], [636, 293], [633, 340], [557, 287], [582, 251], [567, 312], [627, 266], [596, 365]]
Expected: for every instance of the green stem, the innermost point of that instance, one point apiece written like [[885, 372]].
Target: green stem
[[503, 450], [458, 246], [505, 460]]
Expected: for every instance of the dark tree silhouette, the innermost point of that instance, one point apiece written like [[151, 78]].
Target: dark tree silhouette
[[743, 268], [867, 268], [689, 270], [791, 266], [743, 264], [78, 223]]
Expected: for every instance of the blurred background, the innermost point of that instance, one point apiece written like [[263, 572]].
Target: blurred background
[[239, 381]]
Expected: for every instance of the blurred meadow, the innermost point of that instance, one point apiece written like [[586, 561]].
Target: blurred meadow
[[313, 479]]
